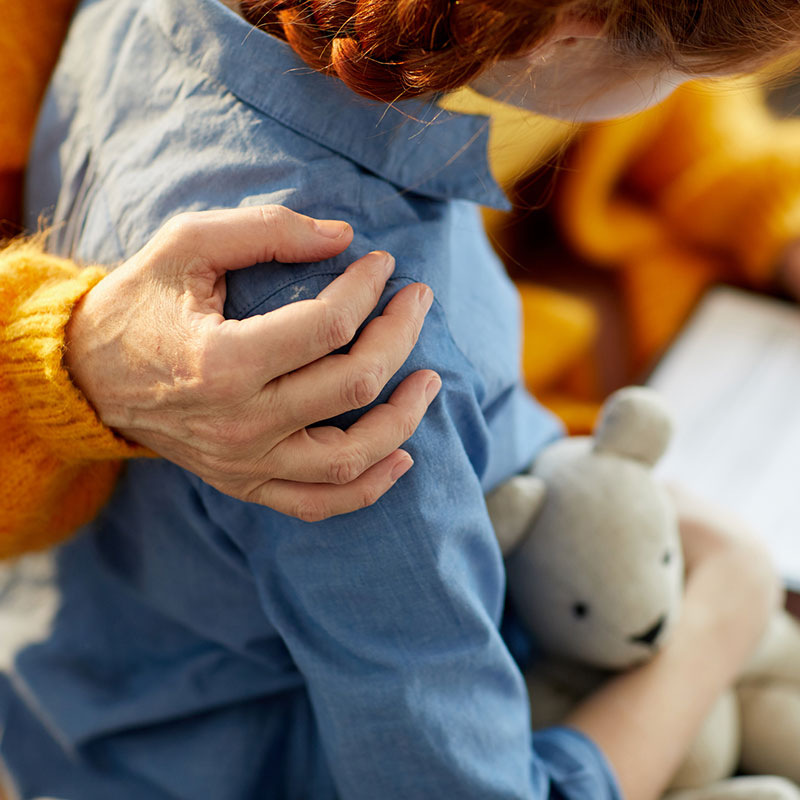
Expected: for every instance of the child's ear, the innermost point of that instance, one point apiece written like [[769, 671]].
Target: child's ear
[[513, 507], [569, 26]]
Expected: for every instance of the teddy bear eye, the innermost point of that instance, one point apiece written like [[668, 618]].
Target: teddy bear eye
[[666, 558], [580, 610]]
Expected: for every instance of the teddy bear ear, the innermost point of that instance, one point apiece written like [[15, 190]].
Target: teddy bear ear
[[634, 423], [513, 507]]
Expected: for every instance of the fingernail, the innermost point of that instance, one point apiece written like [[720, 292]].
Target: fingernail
[[331, 228], [386, 260], [425, 298], [432, 389], [401, 468]]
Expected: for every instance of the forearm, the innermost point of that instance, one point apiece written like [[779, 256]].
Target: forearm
[[645, 720]]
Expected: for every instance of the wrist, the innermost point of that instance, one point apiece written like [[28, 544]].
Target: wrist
[[94, 359], [77, 358]]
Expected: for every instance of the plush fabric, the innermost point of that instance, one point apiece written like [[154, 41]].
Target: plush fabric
[[591, 536]]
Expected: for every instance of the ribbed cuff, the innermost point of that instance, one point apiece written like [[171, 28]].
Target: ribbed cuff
[[31, 352]]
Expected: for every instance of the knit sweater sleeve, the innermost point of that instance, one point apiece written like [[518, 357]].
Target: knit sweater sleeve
[[711, 169], [59, 462]]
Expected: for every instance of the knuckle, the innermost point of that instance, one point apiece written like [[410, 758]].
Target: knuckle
[[376, 283], [366, 496], [348, 465], [274, 216], [182, 226], [309, 511], [408, 425], [180, 237], [411, 331], [407, 330], [337, 327], [365, 386]]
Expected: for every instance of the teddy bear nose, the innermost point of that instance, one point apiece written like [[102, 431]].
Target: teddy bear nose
[[649, 636]]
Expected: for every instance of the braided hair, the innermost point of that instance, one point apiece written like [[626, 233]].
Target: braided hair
[[394, 49]]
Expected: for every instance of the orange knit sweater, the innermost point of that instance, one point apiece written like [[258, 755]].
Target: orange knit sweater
[[716, 190], [58, 462]]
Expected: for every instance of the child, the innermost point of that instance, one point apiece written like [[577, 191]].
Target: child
[[203, 647]]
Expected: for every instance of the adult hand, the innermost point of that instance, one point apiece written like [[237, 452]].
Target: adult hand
[[232, 400]]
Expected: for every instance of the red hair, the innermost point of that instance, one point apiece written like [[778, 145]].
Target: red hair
[[394, 49]]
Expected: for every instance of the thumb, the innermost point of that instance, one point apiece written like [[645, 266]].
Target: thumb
[[240, 237]]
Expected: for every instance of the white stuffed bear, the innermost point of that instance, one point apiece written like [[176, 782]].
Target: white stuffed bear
[[595, 571]]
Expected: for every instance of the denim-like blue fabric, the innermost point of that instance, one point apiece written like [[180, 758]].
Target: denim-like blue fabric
[[209, 649]]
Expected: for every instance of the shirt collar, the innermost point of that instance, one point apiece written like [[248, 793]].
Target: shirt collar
[[415, 144]]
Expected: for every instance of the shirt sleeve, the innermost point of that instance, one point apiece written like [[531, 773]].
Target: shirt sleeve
[[391, 614]]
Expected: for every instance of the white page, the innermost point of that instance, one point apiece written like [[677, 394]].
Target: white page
[[732, 381]]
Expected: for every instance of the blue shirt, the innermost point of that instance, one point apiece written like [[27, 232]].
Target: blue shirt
[[209, 649]]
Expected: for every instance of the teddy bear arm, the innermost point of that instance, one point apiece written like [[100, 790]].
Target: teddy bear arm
[[770, 713], [714, 753], [778, 654]]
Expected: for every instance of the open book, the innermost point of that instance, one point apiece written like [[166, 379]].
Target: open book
[[732, 381]]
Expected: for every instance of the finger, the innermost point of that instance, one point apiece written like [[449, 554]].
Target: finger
[[298, 333], [240, 237], [340, 383], [332, 455], [313, 502]]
